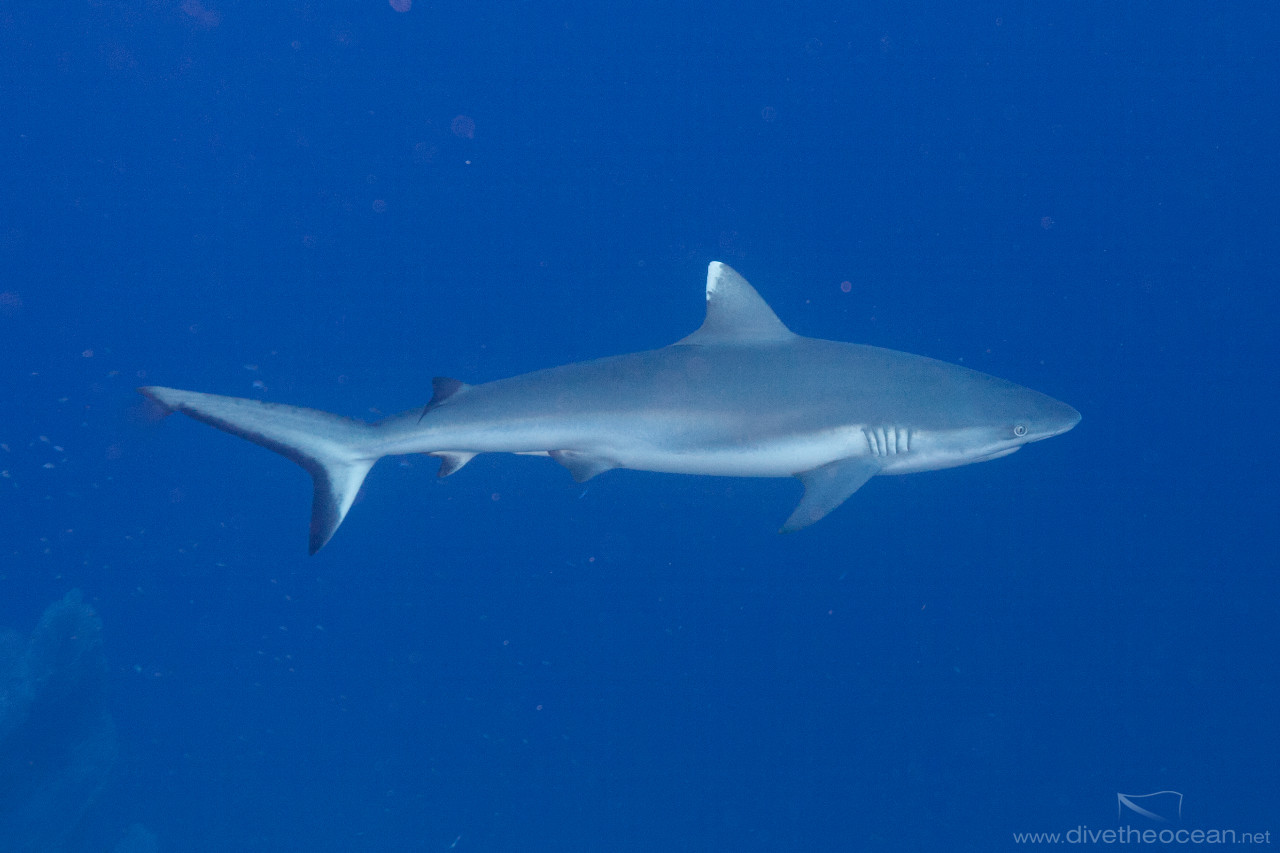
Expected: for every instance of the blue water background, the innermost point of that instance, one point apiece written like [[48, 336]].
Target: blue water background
[[328, 203]]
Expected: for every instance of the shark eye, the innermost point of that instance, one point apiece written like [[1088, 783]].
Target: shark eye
[[1019, 430]]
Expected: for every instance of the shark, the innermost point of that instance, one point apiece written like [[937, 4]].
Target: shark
[[743, 396]]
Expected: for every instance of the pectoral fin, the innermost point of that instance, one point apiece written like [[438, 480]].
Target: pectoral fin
[[826, 487]]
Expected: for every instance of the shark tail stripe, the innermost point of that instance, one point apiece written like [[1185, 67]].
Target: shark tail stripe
[[334, 450]]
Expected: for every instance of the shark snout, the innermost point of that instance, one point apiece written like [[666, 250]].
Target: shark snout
[[1056, 419]]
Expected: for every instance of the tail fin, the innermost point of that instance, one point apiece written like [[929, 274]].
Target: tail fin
[[330, 447]]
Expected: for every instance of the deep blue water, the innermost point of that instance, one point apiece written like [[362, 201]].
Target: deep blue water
[[327, 204]]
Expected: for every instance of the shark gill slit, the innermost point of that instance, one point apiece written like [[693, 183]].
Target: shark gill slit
[[887, 441]]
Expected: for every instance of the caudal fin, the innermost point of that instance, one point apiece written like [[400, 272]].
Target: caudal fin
[[333, 449]]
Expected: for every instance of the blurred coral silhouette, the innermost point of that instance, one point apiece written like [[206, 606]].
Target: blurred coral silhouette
[[57, 739]]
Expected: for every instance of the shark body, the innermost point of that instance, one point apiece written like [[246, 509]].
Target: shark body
[[743, 396]]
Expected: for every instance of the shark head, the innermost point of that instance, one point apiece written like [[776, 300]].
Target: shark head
[[998, 419], [1014, 415]]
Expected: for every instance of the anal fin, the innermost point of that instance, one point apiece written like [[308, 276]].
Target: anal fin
[[828, 486], [451, 461], [583, 466]]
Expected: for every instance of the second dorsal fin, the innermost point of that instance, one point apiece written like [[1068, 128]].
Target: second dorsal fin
[[442, 388]]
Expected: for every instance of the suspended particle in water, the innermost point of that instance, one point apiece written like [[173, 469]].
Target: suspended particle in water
[[424, 153], [207, 18], [463, 126]]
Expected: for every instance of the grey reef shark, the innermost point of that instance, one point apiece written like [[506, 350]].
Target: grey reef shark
[[743, 396]]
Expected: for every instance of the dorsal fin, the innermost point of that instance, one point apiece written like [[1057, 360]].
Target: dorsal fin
[[735, 312]]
